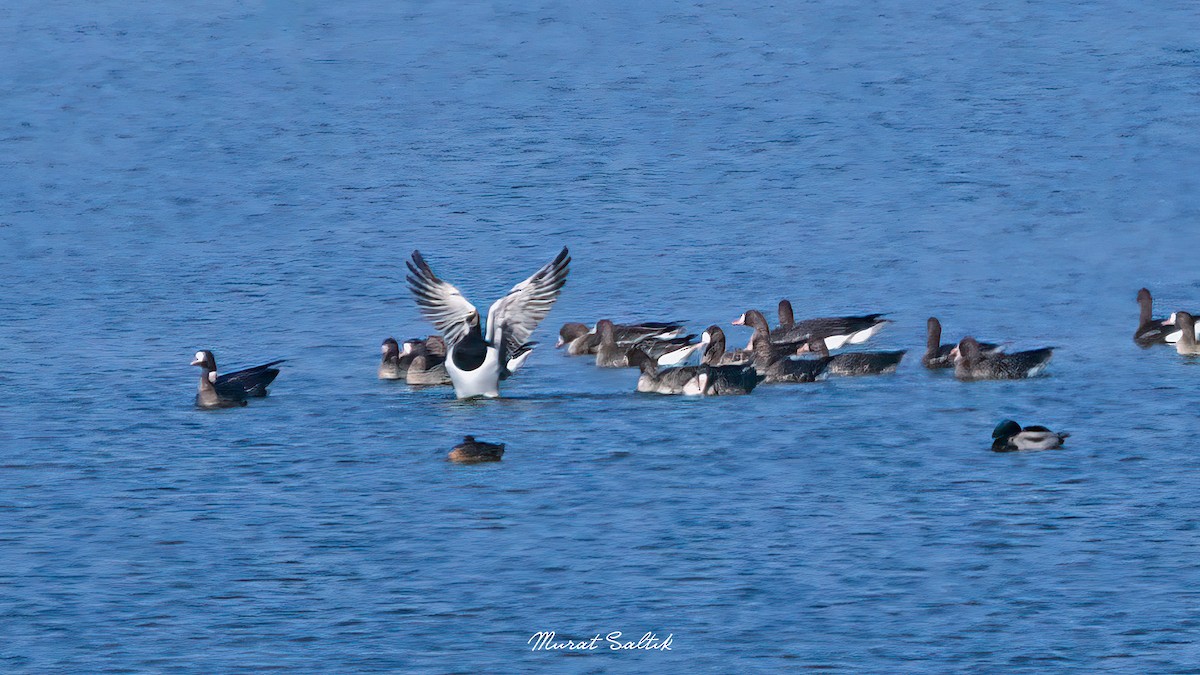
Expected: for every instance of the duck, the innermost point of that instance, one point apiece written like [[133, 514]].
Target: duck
[[852, 364], [836, 331], [665, 351], [471, 451], [427, 365], [232, 389], [938, 355], [1008, 436], [1186, 343], [477, 360], [772, 362], [580, 340], [970, 363]]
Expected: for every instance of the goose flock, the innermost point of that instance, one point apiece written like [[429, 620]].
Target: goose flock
[[474, 354]]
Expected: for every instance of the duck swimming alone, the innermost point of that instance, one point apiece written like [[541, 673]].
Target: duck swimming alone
[[1008, 436], [232, 389], [476, 360], [471, 451], [970, 363], [938, 355]]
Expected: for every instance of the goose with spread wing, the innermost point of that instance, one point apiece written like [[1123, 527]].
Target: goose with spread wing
[[477, 358]]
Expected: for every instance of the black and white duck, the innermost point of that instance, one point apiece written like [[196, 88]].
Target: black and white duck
[[1008, 436], [477, 360]]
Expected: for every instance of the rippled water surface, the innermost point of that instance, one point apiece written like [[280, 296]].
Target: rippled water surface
[[248, 177]]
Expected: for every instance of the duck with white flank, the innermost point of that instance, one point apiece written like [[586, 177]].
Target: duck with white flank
[[1008, 436], [232, 389], [853, 364], [477, 360], [970, 363], [938, 355], [836, 331]]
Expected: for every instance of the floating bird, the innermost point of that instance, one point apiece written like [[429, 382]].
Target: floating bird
[[852, 364], [702, 380], [970, 363], [396, 359], [471, 451], [580, 340], [772, 361], [836, 331], [664, 351], [938, 355], [232, 389], [1008, 436], [1186, 344], [1151, 331], [427, 365], [713, 350]]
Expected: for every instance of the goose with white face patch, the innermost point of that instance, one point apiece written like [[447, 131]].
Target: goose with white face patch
[[836, 331], [476, 360], [1008, 436], [232, 389], [938, 355]]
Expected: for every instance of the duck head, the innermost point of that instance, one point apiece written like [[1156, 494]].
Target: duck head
[[205, 360], [390, 349]]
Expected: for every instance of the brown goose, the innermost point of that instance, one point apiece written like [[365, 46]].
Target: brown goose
[[970, 363], [938, 355]]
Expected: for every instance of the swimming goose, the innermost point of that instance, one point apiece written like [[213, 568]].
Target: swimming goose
[[232, 389], [1008, 436], [855, 363], [471, 451], [665, 352], [1151, 331], [771, 361], [836, 331], [713, 350], [389, 367], [938, 355], [581, 340], [1186, 343], [702, 380], [477, 360], [427, 365], [970, 363]]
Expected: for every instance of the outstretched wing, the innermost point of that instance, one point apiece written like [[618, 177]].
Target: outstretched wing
[[514, 317], [441, 303]]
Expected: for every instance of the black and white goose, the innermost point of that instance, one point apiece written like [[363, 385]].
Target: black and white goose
[[1008, 436], [232, 389], [477, 360], [938, 355], [836, 331], [970, 363]]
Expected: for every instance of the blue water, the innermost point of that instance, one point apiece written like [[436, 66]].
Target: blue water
[[248, 177]]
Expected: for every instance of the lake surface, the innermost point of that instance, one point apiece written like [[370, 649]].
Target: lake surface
[[249, 178]]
